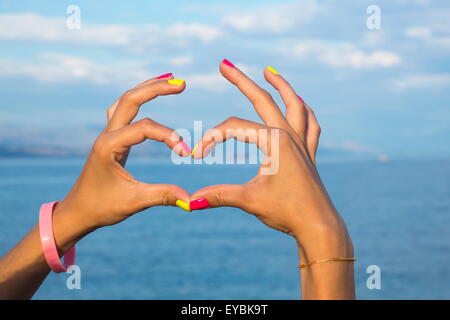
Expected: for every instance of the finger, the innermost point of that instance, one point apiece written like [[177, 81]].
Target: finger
[[239, 129], [129, 103], [112, 108], [295, 109], [161, 194], [144, 129], [224, 195], [166, 76], [313, 131], [260, 98]]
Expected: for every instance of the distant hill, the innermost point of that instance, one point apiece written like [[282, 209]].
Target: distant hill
[[39, 151], [148, 149], [9, 151]]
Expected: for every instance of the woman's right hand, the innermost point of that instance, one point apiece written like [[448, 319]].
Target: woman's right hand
[[105, 193], [287, 193]]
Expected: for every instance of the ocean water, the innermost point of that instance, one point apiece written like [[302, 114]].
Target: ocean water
[[398, 214]]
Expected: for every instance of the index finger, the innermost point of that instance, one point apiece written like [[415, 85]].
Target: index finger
[[130, 102], [264, 105], [138, 132], [239, 129], [113, 107]]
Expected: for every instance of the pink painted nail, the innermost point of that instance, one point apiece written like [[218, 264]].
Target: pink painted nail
[[301, 99], [164, 76], [228, 63], [185, 147], [198, 204]]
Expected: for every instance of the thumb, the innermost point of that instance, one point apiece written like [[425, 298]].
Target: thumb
[[222, 195], [162, 194]]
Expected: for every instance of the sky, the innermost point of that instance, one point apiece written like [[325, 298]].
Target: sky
[[380, 92]]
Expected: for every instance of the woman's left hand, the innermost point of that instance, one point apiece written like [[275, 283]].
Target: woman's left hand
[[105, 193]]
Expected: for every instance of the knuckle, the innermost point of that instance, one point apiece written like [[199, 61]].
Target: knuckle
[[315, 127], [165, 198], [231, 120], [129, 96], [219, 199], [146, 123], [263, 97], [102, 145]]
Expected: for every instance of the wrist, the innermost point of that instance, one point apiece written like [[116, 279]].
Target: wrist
[[333, 280], [326, 244], [324, 240], [68, 228]]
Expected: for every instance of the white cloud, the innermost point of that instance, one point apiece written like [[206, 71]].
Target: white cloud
[[351, 146], [418, 32], [374, 39], [352, 57], [428, 37], [250, 70], [416, 2], [442, 42], [273, 19], [208, 81], [204, 32], [181, 61], [355, 147], [339, 54], [39, 28], [430, 80], [60, 68]]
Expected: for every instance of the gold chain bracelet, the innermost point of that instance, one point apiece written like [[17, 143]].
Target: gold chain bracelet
[[306, 265]]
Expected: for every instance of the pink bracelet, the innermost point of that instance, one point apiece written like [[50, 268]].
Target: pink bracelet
[[48, 240]]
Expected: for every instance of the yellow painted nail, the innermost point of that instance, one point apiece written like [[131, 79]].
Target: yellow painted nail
[[272, 70], [177, 82], [183, 205], [193, 150]]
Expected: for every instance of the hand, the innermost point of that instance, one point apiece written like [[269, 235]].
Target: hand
[[292, 200], [105, 193]]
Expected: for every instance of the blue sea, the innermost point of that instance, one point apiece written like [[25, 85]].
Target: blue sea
[[397, 212]]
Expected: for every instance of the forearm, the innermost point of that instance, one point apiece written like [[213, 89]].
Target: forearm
[[24, 268], [329, 280]]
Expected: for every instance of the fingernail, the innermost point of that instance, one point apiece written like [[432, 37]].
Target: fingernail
[[183, 205], [272, 70], [198, 204], [185, 146], [193, 150], [164, 76], [300, 99], [228, 63], [177, 82]]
